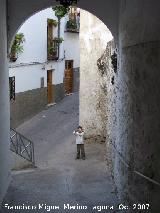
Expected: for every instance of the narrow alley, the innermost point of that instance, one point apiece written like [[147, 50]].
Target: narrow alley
[[60, 179], [109, 51]]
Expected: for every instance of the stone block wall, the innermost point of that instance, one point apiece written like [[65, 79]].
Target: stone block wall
[[138, 124]]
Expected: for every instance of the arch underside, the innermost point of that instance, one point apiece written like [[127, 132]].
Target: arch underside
[[19, 11]]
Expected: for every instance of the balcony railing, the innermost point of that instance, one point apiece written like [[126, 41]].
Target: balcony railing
[[73, 25], [53, 50]]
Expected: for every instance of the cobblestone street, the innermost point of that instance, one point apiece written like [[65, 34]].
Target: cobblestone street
[[60, 179]]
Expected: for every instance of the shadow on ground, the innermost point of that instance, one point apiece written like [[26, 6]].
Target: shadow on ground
[[60, 179]]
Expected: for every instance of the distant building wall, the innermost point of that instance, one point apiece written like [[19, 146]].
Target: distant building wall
[[72, 52], [30, 69], [94, 36], [72, 48], [35, 32]]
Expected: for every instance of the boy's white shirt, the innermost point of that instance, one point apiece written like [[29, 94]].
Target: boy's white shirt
[[79, 137]]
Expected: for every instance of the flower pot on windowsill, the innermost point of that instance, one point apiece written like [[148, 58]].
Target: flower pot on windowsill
[[52, 58], [52, 22], [17, 46], [72, 30], [71, 26], [13, 57]]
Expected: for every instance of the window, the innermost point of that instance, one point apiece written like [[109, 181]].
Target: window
[[42, 82], [69, 64], [52, 44], [73, 24], [12, 87]]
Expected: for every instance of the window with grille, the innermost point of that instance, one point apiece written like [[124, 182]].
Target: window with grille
[[73, 24], [52, 44], [12, 87]]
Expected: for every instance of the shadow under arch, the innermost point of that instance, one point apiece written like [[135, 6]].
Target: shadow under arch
[[19, 12]]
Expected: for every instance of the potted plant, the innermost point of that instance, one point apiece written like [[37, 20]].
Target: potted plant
[[52, 51], [71, 25], [53, 48], [59, 40], [17, 47], [60, 11]]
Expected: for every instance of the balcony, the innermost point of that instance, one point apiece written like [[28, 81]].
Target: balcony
[[53, 49], [73, 25]]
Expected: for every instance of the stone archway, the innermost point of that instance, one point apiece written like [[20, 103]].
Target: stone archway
[[18, 12], [136, 29], [13, 15]]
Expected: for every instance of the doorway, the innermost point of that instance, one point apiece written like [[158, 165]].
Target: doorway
[[68, 79], [49, 87]]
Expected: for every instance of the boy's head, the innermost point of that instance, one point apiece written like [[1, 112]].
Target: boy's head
[[80, 128]]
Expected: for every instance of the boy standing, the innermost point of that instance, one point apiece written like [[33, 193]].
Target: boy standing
[[79, 133]]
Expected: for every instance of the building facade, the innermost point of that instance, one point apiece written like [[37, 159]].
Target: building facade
[[41, 78]]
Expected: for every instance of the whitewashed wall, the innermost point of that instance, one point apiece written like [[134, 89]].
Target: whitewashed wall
[[94, 36], [27, 73], [35, 31], [29, 77], [72, 48]]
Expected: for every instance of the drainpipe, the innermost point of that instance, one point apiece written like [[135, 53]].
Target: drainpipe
[[59, 33]]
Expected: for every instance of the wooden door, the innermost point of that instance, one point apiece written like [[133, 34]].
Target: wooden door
[[68, 80], [49, 87]]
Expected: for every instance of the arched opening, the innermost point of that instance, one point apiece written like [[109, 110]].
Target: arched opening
[[107, 12], [135, 128], [96, 51]]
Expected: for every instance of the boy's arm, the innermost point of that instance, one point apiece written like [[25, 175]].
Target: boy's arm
[[74, 133], [80, 134]]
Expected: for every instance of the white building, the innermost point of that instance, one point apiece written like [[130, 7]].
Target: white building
[[39, 80], [95, 80]]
